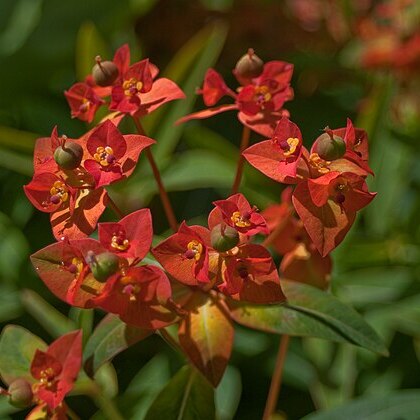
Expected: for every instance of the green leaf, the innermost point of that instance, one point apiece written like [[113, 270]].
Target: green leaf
[[188, 396], [110, 337], [398, 405], [89, 44], [228, 394], [310, 312], [17, 349], [52, 320]]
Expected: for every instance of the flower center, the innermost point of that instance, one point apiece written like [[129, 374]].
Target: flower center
[[130, 288], [338, 191], [119, 241], [85, 105], [242, 271], [240, 220], [132, 86], [289, 146], [59, 193], [262, 95], [319, 164], [194, 250], [75, 267], [104, 155]]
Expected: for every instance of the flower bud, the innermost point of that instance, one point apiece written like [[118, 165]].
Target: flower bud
[[104, 73], [68, 155], [224, 237], [248, 66], [103, 265], [20, 393], [329, 146]]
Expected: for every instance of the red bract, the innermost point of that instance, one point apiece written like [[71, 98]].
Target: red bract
[[57, 369], [114, 155], [49, 193], [135, 92], [131, 237], [236, 212], [185, 255], [327, 206], [139, 297], [63, 268], [259, 102], [83, 101], [278, 157], [251, 275]]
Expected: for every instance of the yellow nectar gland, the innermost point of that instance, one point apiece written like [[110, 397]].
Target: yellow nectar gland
[[196, 248], [119, 242], [104, 155], [132, 86], [59, 192], [239, 221], [319, 164], [262, 94], [130, 288], [76, 266], [293, 143], [85, 105]]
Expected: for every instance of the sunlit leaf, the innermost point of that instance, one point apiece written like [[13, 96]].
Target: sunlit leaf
[[310, 312], [206, 335], [17, 349]]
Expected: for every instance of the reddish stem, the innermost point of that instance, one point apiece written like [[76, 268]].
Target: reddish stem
[[115, 208], [273, 393], [170, 215], [246, 132]]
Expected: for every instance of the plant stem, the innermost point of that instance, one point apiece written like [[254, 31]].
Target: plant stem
[[246, 132], [162, 192], [106, 404], [273, 393], [115, 208], [170, 340]]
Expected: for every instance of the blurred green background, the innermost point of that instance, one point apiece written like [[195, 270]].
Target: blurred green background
[[47, 45]]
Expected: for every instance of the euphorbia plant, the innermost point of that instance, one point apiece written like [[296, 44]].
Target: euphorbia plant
[[199, 279]]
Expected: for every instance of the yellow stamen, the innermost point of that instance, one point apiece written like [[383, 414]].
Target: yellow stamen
[[319, 164], [196, 247], [293, 143], [132, 86], [118, 243], [102, 154], [60, 190], [239, 221]]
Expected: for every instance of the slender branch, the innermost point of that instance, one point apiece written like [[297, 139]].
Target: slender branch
[[170, 215], [246, 132], [115, 208], [273, 393]]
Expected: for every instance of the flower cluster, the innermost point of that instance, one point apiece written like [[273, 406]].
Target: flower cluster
[[197, 270]]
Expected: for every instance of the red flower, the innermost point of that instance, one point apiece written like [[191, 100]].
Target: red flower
[[114, 155], [251, 275], [236, 212], [185, 255], [56, 369], [135, 92], [83, 101], [49, 193], [327, 206], [138, 297], [259, 102], [278, 158], [131, 237]]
